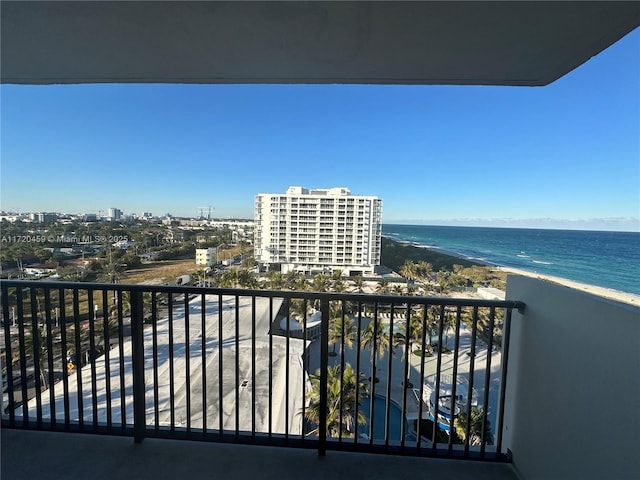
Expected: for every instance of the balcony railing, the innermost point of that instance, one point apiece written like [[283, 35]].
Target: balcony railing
[[346, 371]]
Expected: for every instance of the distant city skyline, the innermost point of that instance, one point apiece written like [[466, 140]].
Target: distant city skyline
[[562, 156], [619, 224]]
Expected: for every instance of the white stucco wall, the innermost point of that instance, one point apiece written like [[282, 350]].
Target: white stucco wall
[[573, 390]]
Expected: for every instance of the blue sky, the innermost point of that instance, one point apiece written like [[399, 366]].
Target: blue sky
[[565, 155]]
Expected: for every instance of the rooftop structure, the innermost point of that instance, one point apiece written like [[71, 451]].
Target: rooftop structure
[[320, 230]]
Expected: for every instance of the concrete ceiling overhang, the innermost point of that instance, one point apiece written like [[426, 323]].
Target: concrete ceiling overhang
[[480, 43]]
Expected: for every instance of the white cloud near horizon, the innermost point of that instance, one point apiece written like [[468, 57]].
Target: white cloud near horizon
[[622, 224]]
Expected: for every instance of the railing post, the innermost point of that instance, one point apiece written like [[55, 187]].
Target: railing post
[[324, 365], [506, 331], [137, 364]]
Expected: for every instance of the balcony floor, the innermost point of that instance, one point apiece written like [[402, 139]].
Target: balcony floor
[[37, 454]]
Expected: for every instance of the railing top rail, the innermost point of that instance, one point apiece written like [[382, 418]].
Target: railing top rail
[[396, 300]]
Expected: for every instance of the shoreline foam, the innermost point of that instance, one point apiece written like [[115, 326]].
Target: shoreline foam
[[609, 293]]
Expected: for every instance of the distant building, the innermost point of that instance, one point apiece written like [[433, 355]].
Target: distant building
[[125, 244], [114, 214], [318, 231], [207, 256], [40, 269], [43, 217]]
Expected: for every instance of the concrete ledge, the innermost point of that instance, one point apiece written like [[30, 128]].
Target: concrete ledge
[[52, 455]]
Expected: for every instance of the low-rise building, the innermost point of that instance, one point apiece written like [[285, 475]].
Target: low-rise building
[[207, 256]]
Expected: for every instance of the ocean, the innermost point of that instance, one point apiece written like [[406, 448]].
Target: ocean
[[605, 259]]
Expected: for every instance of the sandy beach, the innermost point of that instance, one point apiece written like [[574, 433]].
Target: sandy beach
[[445, 257], [609, 293]]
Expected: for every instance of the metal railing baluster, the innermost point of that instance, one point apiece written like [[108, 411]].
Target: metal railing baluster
[[283, 394], [137, 366], [35, 353], [324, 364], [203, 347], [50, 358], [92, 353]]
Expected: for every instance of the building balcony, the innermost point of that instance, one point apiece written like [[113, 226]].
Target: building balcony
[[196, 379]]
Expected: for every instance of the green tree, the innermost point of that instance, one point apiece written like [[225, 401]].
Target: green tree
[[475, 427], [298, 308], [249, 263], [397, 290], [342, 329], [320, 283], [112, 272], [229, 278], [341, 398], [377, 339], [275, 280], [383, 286], [409, 271], [442, 277], [246, 279], [413, 329], [338, 286], [358, 282], [424, 271]]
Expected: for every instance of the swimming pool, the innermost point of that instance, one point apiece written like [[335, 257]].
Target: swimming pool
[[380, 418]]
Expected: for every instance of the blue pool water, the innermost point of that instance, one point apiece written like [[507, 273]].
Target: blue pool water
[[380, 417]]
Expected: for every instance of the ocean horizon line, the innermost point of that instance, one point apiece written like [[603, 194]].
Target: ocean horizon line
[[600, 258], [507, 227]]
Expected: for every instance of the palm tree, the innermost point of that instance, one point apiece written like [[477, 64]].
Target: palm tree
[[475, 428], [336, 275], [415, 328], [111, 272], [375, 337], [433, 323], [291, 280], [245, 279], [229, 278], [341, 329], [320, 283], [383, 286], [339, 286], [424, 271], [409, 271], [358, 282], [300, 284], [341, 399], [397, 290], [298, 308], [275, 280], [442, 277]]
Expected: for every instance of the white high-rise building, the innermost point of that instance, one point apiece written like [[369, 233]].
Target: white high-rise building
[[318, 231], [114, 214]]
